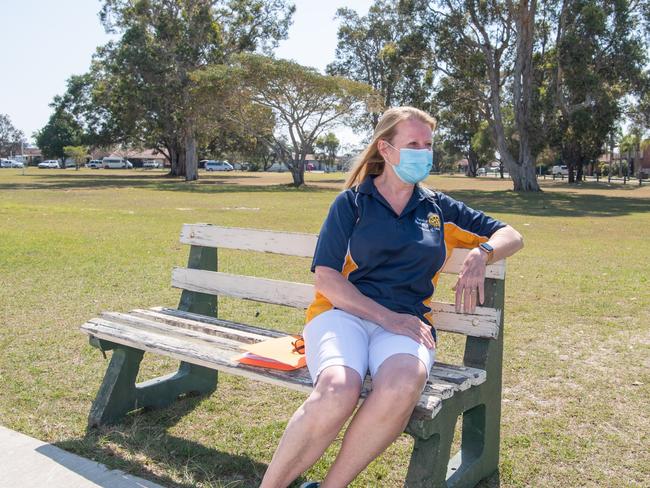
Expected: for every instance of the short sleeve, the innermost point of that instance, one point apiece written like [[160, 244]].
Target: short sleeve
[[464, 226], [332, 245]]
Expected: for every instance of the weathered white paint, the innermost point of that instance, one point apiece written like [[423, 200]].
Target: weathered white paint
[[287, 243], [293, 244], [297, 295]]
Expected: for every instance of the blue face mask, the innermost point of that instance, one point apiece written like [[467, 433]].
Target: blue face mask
[[414, 164]]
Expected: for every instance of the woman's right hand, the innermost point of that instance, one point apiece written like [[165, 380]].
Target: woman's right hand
[[410, 326]]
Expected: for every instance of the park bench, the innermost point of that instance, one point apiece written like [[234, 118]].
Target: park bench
[[205, 344]]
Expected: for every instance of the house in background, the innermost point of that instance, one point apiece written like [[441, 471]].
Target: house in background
[[30, 156], [638, 162], [136, 156], [642, 163]]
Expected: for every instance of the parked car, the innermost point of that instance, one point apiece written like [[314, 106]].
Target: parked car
[[151, 163], [278, 168], [94, 164], [560, 170], [243, 166], [211, 165], [5, 163], [16, 164], [49, 164], [116, 163], [481, 172]]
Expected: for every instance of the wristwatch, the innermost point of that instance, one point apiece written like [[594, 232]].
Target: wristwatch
[[487, 249]]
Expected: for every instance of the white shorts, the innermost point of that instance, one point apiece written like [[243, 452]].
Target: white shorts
[[338, 338]]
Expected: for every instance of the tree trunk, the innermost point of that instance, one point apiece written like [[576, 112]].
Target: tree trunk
[[191, 162], [177, 154], [522, 168], [472, 163], [525, 179], [579, 172], [298, 174]]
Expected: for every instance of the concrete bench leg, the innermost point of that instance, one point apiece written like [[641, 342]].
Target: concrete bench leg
[[429, 459], [478, 457], [119, 394]]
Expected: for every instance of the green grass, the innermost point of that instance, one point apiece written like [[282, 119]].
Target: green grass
[[577, 357]]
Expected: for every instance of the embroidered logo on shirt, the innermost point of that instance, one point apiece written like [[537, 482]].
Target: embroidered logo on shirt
[[434, 220]]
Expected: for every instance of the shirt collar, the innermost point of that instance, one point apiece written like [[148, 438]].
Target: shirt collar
[[367, 187]]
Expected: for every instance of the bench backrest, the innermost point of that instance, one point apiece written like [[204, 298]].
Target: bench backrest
[[201, 278]]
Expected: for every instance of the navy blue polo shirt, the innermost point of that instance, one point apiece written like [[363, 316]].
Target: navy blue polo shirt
[[395, 259]]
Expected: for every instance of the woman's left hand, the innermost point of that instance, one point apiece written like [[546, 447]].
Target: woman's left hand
[[471, 279]]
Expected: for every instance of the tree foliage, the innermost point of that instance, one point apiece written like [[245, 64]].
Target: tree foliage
[[139, 88], [388, 49], [462, 119], [302, 102], [328, 145], [488, 46], [61, 130], [597, 59], [77, 153], [10, 137]]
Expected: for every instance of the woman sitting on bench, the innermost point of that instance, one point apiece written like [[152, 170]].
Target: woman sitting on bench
[[376, 264]]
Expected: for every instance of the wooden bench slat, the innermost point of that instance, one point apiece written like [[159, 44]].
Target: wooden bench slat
[[461, 376], [195, 325], [195, 353], [128, 320], [297, 295], [287, 243], [293, 244], [454, 264], [172, 312], [440, 388], [484, 322]]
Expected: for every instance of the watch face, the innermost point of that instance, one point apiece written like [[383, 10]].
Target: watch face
[[487, 247]]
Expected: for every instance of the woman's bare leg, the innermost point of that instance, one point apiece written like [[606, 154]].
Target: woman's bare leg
[[314, 425], [383, 416]]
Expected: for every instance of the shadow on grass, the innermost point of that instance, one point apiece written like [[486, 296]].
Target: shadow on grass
[[145, 436], [552, 204], [206, 184]]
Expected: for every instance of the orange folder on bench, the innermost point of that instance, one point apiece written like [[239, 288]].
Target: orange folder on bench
[[285, 353]]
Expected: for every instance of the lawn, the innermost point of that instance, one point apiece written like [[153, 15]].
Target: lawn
[[577, 323]]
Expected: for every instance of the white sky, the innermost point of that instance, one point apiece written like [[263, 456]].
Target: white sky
[[44, 42]]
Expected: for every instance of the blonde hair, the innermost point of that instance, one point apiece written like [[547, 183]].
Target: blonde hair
[[370, 161]]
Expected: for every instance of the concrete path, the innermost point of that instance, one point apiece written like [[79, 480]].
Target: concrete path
[[26, 462]]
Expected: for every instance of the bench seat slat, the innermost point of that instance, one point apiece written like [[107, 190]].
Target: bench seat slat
[[484, 322], [204, 319], [195, 353], [293, 244], [195, 325], [157, 327], [436, 382], [155, 331]]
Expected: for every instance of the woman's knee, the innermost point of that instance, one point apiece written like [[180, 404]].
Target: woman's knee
[[401, 377], [337, 387]]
